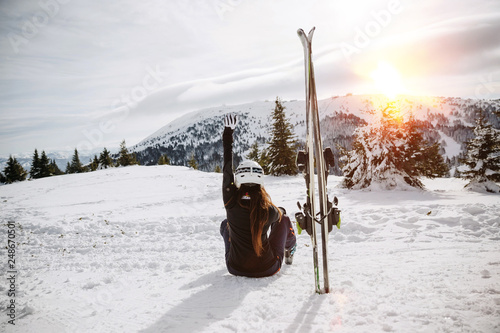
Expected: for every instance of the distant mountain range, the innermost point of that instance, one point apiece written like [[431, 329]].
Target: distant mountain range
[[446, 120]]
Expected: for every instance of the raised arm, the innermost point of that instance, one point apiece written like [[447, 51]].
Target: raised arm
[[228, 187]]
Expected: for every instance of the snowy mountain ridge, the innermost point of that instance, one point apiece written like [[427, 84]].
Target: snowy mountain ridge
[[447, 120]]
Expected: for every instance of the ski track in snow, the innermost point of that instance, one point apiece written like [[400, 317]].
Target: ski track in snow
[[138, 249]]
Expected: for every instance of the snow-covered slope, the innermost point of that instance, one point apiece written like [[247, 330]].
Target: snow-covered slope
[[198, 134], [138, 249]]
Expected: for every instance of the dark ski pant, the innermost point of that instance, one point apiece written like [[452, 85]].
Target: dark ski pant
[[282, 236]]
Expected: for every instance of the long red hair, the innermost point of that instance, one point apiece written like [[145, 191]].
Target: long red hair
[[258, 203]]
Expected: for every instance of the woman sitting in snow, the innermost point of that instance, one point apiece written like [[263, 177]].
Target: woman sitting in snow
[[250, 213]]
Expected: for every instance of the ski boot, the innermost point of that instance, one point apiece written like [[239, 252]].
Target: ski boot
[[289, 254]]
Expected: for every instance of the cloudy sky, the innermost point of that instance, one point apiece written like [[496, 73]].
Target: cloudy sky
[[88, 74]]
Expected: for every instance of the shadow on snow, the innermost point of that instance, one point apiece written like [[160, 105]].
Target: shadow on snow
[[223, 293]]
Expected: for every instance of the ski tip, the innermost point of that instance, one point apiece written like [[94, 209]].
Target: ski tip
[[301, 32], [311, 32]]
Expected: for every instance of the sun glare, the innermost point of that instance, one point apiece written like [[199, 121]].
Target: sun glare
[[387, 80]]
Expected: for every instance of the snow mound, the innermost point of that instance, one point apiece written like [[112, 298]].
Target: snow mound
[[483, 187]]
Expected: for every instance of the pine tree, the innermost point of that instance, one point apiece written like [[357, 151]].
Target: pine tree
[[192, 162], [413, 156], [253, 155], [163, 160], [35, 166], [105, 160], [75, 166], [433, 164], [281, 152], [54, 169], [3, 180], [420, 157], [483, 157], [44, 166], [355, 163], [14, 171], [217, 169], [261, 157], [94, 164], [125, 158], [264, 161]]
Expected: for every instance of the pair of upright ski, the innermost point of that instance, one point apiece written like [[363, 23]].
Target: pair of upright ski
[[327, 216]]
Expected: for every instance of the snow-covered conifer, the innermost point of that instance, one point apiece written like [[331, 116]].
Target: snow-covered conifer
[[482, 159], [390, 153], [421, 158]]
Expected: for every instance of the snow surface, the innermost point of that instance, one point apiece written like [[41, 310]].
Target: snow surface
[[138, 249], [451, 147]]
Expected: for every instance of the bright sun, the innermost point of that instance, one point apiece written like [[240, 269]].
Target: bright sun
[[387, 80]]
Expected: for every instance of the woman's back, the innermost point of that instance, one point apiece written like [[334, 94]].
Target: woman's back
[[242, 256], [250, 214]]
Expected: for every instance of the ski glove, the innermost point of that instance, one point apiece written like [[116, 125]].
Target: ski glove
[[230, 121]]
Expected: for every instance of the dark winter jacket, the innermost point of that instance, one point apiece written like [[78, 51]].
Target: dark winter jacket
[[242, 256]]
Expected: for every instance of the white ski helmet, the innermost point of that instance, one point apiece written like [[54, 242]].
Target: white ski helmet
[[249, 172]]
